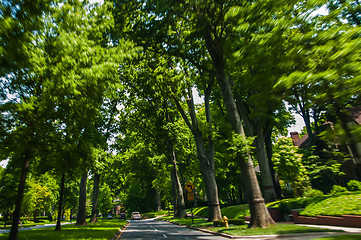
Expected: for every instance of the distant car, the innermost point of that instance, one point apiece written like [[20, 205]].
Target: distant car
[[135, 216], [122, 216]]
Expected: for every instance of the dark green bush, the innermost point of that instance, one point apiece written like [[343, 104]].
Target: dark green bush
[[285, 207], [338, 189], [236, 221], [354, 185]]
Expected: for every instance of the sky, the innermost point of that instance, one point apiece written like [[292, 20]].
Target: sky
[[294, 128]]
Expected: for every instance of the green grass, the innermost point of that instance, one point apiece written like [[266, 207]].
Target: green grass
[[199, 211], [154, 214], [103, 230], [197, 222], [235, 212], [342, 237], [242, 230], [349, 204], [232, 212]]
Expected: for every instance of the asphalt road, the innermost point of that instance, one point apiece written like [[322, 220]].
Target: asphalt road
[[149, 229]]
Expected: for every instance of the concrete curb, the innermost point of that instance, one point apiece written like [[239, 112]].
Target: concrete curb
[[117, 235]]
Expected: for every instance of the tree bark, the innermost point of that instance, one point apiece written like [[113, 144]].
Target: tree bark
[[158, 205], [255, 128], [94, 214], [81, 217], [266, 177], [178, 197], [20, 195], [205, 157], [58, 222], [269, 151], [260, 216]]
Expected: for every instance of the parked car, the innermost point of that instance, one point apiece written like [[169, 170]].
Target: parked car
[[135, 216], [122, 216]]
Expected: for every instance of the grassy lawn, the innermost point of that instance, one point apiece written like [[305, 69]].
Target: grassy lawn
[[242, 230], [232, 212], [335, 206], [154, 214], [272, 230], [103, 230], [342, 237]]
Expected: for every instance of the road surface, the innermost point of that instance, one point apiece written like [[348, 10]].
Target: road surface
[[150, 229]]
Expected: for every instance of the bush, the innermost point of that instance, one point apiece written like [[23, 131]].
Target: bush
[[338, 189], [313, 193], [285, 207], [230, 221], [354, 185]]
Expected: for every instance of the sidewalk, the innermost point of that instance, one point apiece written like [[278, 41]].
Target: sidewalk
[[38, 226]]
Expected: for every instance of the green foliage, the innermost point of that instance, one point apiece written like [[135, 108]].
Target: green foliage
[[338, 189], [41, 195], [240, 145], [289, 166], [354, 185], [105, 199], [309, 193]]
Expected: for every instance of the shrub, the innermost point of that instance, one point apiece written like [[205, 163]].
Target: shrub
[[285, 207], [313, 193], [354, 185], [338, 189]]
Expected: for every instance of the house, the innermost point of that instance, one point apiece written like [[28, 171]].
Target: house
[[353, 145]]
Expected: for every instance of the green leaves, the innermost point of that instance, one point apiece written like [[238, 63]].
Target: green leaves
[[289, 166]]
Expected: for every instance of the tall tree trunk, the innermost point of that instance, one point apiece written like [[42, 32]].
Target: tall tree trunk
[[94, 214], [206, 157], [209, 178], [60, 212], [266, 177], [81, 217], [269, 151], [350, 143], [256, 129], [260, 216], [158, 205], [178, 197], [20, 195], [174, 193]]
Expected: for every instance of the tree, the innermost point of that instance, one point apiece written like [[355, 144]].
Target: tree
[[330, 52], [40, 196], [22, 101], [289, 165]]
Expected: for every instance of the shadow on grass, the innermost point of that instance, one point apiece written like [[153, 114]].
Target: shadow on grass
[[273, 230], [97, 231]]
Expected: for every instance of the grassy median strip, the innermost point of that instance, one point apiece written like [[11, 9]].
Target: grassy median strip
[[103, 230], [242, 230], [342, 237]]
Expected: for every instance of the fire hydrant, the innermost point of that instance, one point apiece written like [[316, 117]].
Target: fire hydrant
[[225, 221]]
